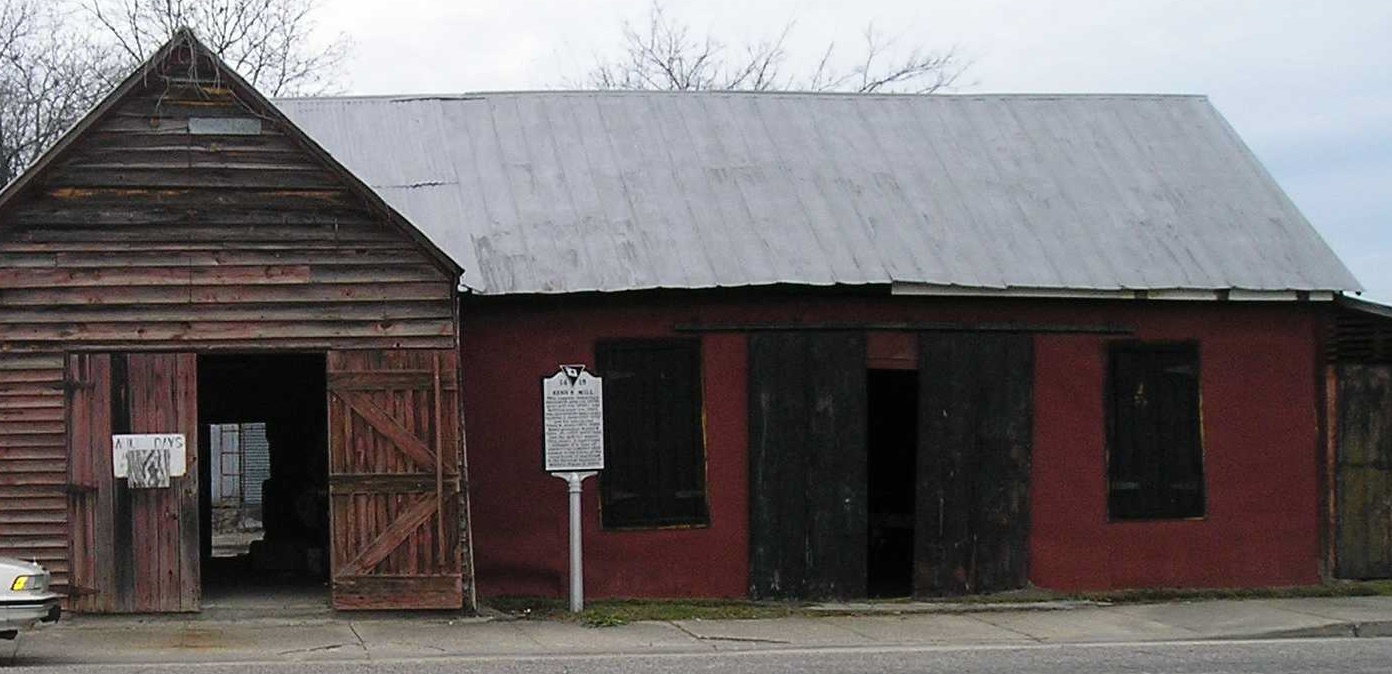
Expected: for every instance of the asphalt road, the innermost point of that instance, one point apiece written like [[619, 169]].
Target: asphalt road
[[1347, 656]]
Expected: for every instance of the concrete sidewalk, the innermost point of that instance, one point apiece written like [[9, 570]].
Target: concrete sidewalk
[[318, 635]]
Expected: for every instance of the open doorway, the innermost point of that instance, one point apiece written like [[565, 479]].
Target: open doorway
[[892, 447], [263, 458]]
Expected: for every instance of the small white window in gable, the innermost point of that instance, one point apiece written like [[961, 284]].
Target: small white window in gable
[[224, 126]]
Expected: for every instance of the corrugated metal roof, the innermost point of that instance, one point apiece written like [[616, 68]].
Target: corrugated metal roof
[[601, 191]]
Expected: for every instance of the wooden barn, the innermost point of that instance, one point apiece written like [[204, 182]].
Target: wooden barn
[[186, 257], [852, 345]]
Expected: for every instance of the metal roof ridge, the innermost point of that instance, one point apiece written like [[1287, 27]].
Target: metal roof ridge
[[478, 95]]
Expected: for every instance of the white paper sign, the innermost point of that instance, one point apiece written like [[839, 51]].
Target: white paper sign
[[173, 443], [573, 417]]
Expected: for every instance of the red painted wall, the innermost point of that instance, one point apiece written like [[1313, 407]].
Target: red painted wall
[[1258, 387], [1261, 461]]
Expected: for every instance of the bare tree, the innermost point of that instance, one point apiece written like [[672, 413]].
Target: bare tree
[[663, 53], [49, 76], [268, 42], [57, 61]]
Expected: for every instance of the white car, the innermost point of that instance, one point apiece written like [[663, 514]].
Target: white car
[[24, 597]]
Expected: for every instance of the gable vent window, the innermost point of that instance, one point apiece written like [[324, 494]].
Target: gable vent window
[[1154, 438], [224, 126], [654, 454]]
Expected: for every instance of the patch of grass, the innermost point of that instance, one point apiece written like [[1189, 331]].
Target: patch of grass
[[1332, 589], [592, 618], [1029, 594], [610, 612], [614, 612], [1153, 595]]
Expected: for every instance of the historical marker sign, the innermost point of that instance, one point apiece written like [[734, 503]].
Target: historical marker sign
[[573, 417], [572, 411]]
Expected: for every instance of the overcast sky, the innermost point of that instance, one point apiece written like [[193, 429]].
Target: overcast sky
[[1308, 84]]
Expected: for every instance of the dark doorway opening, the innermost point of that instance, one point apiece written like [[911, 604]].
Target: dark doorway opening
[[892, 444], [263, 464]]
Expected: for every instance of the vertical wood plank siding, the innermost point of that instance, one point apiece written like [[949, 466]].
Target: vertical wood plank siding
[[394, 480], [93, 502], [1364, 490], [976, 419], [655, 460], [1154, 440], [145, 234], [33, 462], [134, 550], [807, 463], [163, 399]]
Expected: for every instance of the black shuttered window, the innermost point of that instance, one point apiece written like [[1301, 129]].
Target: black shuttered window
[[1155, 446], [654, 454]]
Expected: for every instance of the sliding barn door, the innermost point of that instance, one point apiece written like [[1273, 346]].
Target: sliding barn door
[[132, 550], [975, 433], [807, 462], [394, 479], [1363, 499]]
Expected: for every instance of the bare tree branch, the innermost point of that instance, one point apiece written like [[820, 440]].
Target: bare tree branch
[[54, 66], [665, 55], [268, 42], [919, 71], [49, 77]]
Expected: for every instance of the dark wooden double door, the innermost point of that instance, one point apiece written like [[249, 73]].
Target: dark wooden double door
[[808, 464], [394, 478]]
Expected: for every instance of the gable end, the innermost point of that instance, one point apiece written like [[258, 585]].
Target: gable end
[[185, 210]]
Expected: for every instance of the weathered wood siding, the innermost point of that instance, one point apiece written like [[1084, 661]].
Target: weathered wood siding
[[807, 465], [33, 462], [975, 437], [133, 550], [144, 234], [1364, 474], [395, 443]]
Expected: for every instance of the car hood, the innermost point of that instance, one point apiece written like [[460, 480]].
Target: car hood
[[18, 567]]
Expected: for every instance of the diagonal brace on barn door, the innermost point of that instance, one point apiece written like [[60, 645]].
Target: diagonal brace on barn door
[[394, 535], [383, 423]]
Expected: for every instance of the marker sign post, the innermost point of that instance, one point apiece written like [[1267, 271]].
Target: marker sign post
[[572, 404]]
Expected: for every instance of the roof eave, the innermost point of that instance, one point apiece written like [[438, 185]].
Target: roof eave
[[1170, 294], [1365, 306]]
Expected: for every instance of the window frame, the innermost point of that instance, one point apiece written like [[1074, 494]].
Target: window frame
[[691, 348], [1191, 349]]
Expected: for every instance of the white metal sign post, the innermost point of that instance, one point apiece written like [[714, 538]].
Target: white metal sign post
[[577, 564], [573, 448]]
